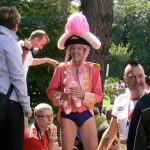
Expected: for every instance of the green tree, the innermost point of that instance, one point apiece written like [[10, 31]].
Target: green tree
[[117, 59], [131, 27], [138, 23]]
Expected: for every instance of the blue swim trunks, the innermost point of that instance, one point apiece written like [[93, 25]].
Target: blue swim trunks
[[78, 118]]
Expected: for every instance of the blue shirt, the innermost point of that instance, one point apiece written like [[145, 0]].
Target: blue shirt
[[11, 69]]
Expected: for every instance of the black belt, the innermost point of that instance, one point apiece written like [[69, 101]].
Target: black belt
[[13, 102], [9, 100], [2, 94]]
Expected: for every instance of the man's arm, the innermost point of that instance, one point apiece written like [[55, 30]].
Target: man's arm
[[24, 55], [109, 135], [39, 61], [26, 46]]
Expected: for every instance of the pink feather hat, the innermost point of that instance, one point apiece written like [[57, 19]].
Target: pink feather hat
[[77, 28]]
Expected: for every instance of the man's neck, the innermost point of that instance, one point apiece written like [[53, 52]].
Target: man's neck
[[136, 96]]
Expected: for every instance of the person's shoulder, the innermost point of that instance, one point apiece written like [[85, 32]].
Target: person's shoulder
[[122, 99], [61, 65], [27, 133], [31, 139], [144, 102], [145, 99], [124, 95], [8, 42], [30, 132], [20, 42], [94, 65]]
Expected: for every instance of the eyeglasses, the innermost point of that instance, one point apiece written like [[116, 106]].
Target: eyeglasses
[[47, 116], [75, 47], [133, 77]]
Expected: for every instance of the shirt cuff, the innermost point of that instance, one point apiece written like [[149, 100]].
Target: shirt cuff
[[57, 96]]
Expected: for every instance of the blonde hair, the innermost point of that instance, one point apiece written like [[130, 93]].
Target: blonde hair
[[39, 34], [40, 107]]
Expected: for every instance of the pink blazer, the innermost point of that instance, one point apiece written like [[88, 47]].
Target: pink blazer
[[90, 82]]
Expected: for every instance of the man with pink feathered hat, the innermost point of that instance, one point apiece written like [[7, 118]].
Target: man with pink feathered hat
[[77, 41]]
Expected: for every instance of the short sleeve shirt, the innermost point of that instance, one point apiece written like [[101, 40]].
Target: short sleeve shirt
[[29, 59], [120, 111]]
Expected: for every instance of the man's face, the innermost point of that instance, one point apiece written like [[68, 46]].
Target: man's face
[[135, 80], [40, 43], [45, 119], [77, 52]]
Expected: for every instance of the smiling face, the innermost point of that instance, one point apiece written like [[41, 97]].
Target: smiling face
[[77, 52], [135, 80]]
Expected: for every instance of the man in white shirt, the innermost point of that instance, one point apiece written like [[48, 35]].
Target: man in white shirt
[[134, 78], [37, 40]]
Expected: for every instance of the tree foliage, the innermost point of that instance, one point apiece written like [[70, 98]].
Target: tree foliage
[[117, 59], [131, 29]]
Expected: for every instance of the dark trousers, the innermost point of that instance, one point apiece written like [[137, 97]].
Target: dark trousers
[[11, 137]]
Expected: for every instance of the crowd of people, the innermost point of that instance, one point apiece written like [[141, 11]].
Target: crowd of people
[[74, 89]]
